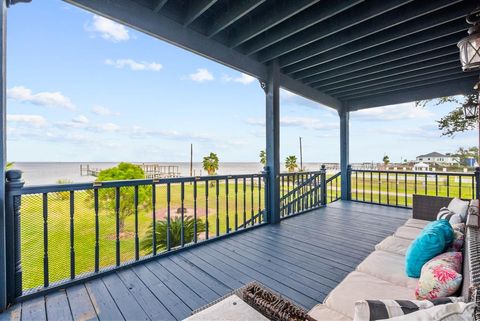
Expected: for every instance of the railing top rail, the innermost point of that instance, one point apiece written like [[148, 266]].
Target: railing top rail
[[299, 173], [34, 189], [415, 172], [331, 178]]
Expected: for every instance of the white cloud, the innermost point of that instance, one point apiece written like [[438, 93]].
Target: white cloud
[[103, 111], [108, 127], [54, 99], [31, 120], [243, 79], [134, 65], [108, 29], [80, 119], [141, 132], [393, 112], [302, 122], [201, 75]]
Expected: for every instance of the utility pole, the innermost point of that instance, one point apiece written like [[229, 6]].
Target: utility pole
[[301, 155], [191, 160]]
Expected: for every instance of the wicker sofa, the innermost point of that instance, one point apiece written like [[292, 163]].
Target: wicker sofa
[[381, 275]]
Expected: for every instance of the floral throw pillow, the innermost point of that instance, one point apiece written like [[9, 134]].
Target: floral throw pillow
[[440, 276]]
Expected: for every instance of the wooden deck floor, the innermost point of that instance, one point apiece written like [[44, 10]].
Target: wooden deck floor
[[302, 258]]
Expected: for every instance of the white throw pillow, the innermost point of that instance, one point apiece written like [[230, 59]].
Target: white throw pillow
[[459, 207], [455, 219], [459, 311]]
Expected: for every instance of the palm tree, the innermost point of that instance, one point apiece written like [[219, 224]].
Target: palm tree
[[386, 159], [291, 163], [161, 228], [263, 157], [210, 163]]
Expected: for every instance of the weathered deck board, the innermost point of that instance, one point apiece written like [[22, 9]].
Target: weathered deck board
[[303, 258]]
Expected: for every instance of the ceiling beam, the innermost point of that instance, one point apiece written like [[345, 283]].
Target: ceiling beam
[[358, 51], [195, 8], [268, 19], [338, 69], [396, 84], [237, 10], [159, 5], [308, 92], [456, 76], [297, 23], [386, 28], [382, 76], [348, 19], [408, 62], [462, 86]]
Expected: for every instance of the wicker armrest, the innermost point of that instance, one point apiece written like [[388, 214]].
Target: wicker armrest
[[427, 207]]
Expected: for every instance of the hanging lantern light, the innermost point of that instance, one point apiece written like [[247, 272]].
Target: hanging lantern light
[[470, 46], [470, 109]]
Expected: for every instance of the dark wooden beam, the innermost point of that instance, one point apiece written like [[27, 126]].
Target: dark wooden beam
[[237, 10], [394, 73], [409, 62], [297, 23], [424, 51], [357, 51], [462, 86], [195, 9], [458, 75], [271, 17], [347, 19], [395, 84], [159, 5], [393, 25]]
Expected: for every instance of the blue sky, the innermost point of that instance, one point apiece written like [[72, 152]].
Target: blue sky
[[83, 88]]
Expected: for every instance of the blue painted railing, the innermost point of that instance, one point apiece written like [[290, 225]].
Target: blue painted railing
[[396, 188], [63, 234]]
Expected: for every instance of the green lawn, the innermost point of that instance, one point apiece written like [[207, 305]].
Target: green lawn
[[32, 227]]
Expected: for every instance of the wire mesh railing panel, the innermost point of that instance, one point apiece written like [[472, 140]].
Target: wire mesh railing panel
[[76, 230], [396, 188]]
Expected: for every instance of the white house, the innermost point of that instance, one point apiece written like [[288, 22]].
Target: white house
[[435, 157]]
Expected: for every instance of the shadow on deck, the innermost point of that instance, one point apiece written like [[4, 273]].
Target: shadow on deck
[[302, 258]]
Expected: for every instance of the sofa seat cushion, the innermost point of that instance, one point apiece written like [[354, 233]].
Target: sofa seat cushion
[[362, 286], [389, 267], [321, 312], [413, 222], [407, 232], [393, 244]]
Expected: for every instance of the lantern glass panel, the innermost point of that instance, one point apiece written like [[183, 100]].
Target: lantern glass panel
[[470, 111]]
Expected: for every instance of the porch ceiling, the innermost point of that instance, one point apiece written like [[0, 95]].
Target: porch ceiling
[[349, 54]]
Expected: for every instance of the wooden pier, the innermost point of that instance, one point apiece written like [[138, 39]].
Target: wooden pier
[[151, 170]]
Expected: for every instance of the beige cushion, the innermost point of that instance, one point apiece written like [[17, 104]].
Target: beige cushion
[[361, 286], [389, 267], [458, 311], [392, 244], [321, 312], [407, 232], [413, 222]]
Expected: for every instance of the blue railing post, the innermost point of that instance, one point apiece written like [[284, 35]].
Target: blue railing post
[[477, 183], [323, 186], [349, 182], [14, 182], [266, 193]]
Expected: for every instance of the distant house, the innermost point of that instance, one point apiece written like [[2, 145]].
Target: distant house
[[438, 158]]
